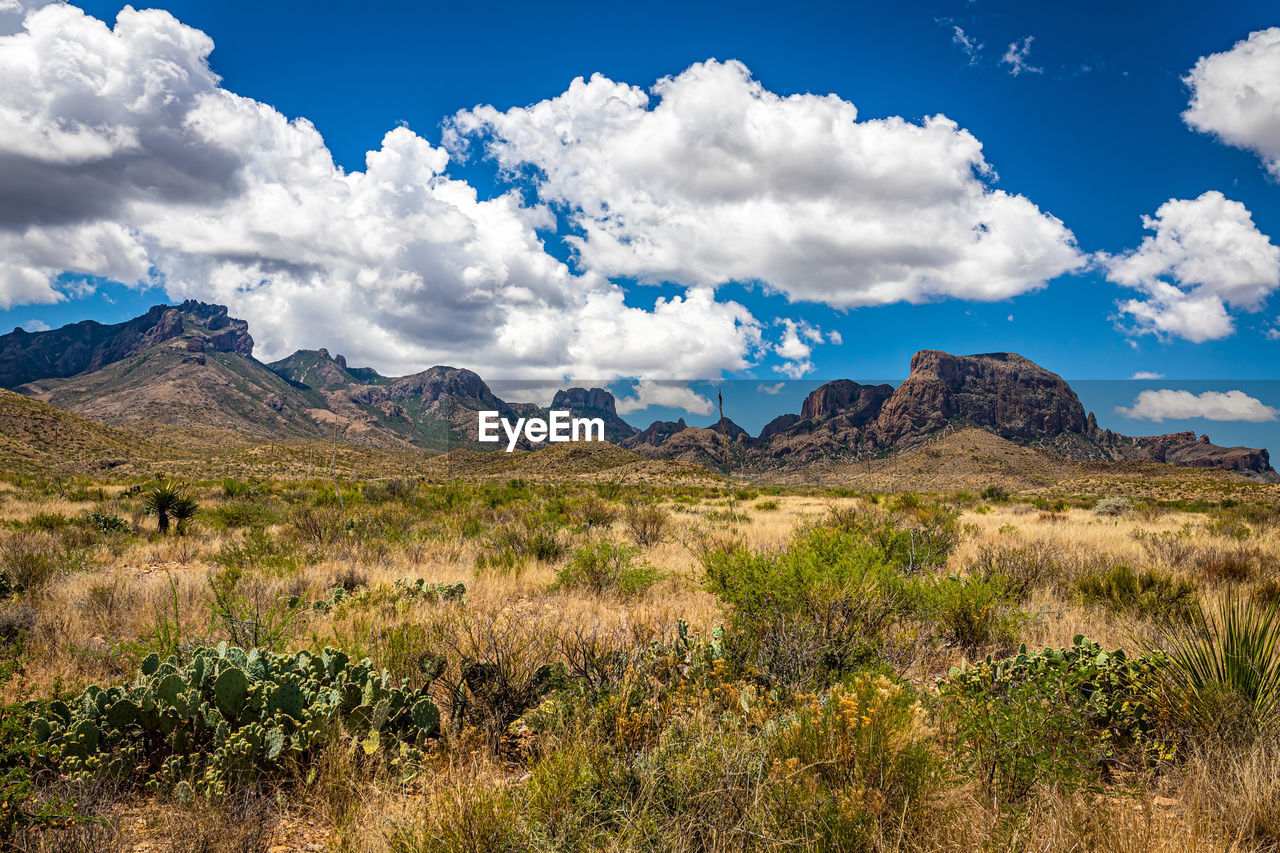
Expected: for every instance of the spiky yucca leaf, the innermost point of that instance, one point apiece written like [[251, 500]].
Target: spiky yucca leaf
[[1231, 651]]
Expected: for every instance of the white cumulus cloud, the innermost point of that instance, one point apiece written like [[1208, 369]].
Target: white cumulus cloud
[[1235, 95], [122, 156], [1210, 405], [1147, 374], [1204, 258], [672, 395], [710, 178]]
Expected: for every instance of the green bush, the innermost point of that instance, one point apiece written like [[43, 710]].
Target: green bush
[[240, 513], [1057, 718], [604, 566], [1147, 593], [48, 521], [805, 614], [646, 522], [970, 612], [1020, 568]]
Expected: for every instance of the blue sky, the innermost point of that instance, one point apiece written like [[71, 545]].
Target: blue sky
[[1090, 131]]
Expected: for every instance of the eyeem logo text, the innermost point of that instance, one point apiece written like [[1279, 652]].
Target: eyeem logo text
[[559, 426]]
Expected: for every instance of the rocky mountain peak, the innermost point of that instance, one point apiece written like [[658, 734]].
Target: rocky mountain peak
[[1004, 393], [88, 345], [582, 399]]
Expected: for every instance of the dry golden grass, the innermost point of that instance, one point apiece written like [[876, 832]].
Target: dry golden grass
[[1216, 801]]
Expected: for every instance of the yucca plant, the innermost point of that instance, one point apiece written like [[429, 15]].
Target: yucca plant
[[1228, 654], [165, 500]]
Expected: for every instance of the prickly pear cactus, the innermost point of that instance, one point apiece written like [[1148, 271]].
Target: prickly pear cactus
[[228, 715]]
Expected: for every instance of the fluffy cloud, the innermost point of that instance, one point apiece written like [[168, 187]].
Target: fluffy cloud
[[1235, 95], [121, 156], [1147, 374], [715, 179], [1211, 405], [798, 340], [671, 395], [1205, 257]]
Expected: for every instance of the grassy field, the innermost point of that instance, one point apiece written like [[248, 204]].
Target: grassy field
[[645, 657]]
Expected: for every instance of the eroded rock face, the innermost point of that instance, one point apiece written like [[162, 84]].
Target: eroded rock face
[[88, 346], [1185, 449], [1009, 395], [595, 403], [582, 398], [859, 403]]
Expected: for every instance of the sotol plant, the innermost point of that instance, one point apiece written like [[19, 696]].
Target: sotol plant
[[1230, 653]]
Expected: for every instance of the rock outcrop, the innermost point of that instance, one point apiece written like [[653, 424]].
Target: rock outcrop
[[1003, 393], [88, 346], [595, 403]]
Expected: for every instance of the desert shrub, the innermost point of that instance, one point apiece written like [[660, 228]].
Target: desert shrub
[[48, 521], [1172, 550], [1236, 562], [1224, 669], [29, 560], [970, 612], [350, 579], [609, 491], [504, 669], [911, 536], [1057, 718], [995, 494], [1020, 568], [252, 613], [804, 614], [545, 546], [646, 523], [1112, 506], [236, 514], [511, 543], [394, 489], [767, 506], [234, 489], [604, 566], [867, 740], [316, 525], [258, 549], [1148, 593], [594, 512]]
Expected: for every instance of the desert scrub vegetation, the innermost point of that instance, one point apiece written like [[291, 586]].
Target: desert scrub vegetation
[[832, 670]]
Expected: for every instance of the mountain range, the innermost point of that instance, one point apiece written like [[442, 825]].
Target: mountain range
[[191, 365]]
